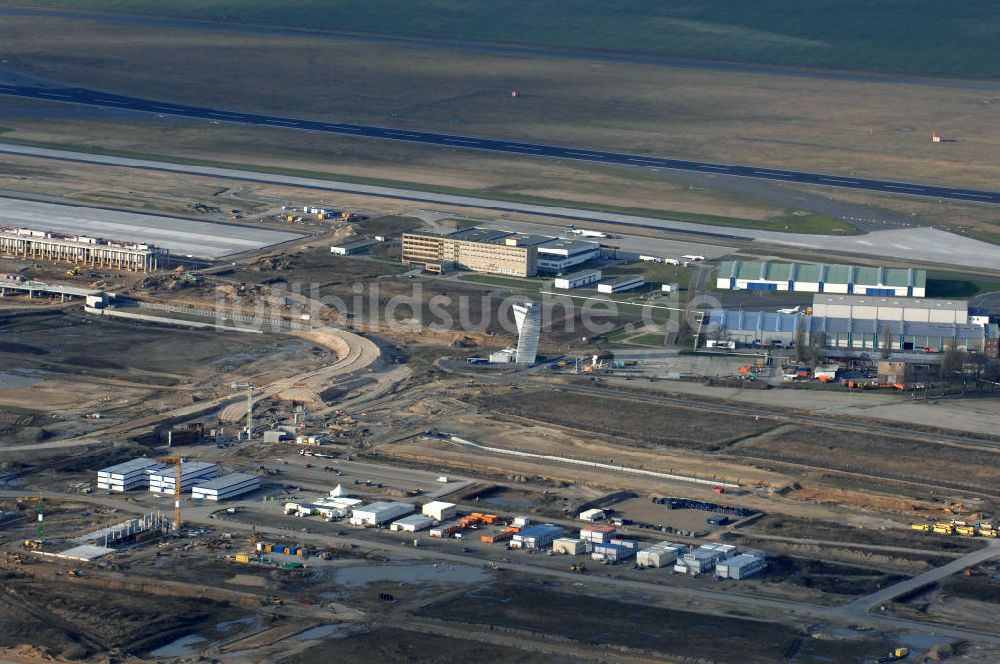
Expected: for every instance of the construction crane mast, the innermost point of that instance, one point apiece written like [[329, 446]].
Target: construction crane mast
[[178, 473], [250, 388], [178, 463]]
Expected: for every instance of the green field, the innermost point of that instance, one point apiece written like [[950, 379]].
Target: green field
[[911, 36], [948, 284], [506, 282]]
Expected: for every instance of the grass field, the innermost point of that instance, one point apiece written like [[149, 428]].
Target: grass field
[[891, 36], [945, 284], [813, 223], [506, 282]]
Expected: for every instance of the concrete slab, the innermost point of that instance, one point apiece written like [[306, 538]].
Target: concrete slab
[[182, 237], [84, 552]]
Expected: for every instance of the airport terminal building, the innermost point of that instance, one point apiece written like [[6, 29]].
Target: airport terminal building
[[821, 278], [495, 251]]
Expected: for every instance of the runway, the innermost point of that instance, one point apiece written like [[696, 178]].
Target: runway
[[107, 100]]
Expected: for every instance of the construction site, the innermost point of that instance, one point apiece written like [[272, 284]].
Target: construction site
[[289, 374], [335, 472]]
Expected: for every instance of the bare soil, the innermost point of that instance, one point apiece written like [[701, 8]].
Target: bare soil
[[397, 646], [625, 419], [882, 456], [664, 630], [787, 526]]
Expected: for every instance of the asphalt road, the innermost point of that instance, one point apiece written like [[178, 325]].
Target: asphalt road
[[861, 606], [121, 102]]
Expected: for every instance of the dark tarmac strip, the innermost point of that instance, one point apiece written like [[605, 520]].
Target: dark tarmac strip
[[107, 100]]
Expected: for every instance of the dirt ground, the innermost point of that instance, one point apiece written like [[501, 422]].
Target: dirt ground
[[64, 366], [397, 646], [646, 423], [538, 609], [62, 621], [893, 458], [787, 526]]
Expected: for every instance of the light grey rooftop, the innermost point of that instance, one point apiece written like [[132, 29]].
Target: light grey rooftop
[[204, 239]]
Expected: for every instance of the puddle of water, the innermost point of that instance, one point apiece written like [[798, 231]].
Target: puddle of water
[[920, 642], [356, 577], [181, 647]]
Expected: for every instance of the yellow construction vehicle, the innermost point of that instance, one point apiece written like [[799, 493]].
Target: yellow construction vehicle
[[32, 545], [73, 271], [987, 532], [923, 527], [968, 531], [579, 568], [944, 529]]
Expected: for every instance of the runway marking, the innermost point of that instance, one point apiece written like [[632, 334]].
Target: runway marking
[[774, 175], [896, 186], [642, 161], [522, 147], [342, 128], [112, 101], [584, 154], [284, 122], [396, 133], [461, 140], [167, 109], [971, 195], [53, 94], [838, 181], [228, 115], [717, 168]]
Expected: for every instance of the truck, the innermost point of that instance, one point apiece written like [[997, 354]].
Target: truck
[[894, 656]]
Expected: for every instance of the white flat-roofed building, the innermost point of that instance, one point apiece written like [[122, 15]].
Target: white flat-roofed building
[[126, 476], [559, 253], [577, 279], [412, 523], [378, 513], [162, 478], [658, 555], [741, 566], [569, 546], [886, 309], [438, 510], [620, 284], [225, 487]]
